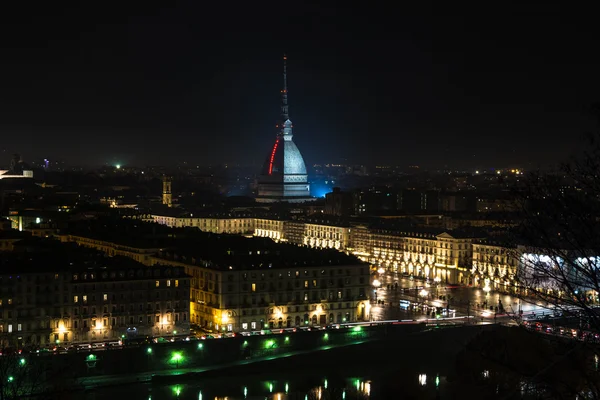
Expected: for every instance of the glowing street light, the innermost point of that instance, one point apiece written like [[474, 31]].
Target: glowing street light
[[376, 283], [486, 289], [176, 357], [423, 293]]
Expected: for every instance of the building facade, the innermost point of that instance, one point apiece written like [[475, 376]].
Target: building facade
[[216, 224], [83, 304], [241, 300], [494, 265], [426, 253]]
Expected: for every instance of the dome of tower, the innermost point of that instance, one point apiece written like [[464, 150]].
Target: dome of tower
[[284, 158]]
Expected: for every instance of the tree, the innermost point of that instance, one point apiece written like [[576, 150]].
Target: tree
[[19, 377], [558, 250]]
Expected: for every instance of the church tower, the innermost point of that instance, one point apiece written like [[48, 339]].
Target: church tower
[[167, 196]]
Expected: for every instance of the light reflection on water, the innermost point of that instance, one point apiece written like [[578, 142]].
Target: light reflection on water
[[307, 388]]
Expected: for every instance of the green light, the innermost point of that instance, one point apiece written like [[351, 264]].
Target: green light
[[57, 341], [122, 336], [245, 343], [200, 395], [287, 339], [344, 394], [177, 390], [287, 388], [200, 346], [271, 387], [245, 392], [91, 357], [118, 166], [437, 381], [306, 397], [357, 328], [269, 344], [326, 336], [357, 382], [11, 378], [149, 350], [174, 332], [325, 384], [22, 361], [176, 358]]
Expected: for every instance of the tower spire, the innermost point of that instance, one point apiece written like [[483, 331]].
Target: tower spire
[[284, 100]]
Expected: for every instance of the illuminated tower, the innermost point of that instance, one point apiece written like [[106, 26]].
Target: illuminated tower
[[283, 176], [166, 194]]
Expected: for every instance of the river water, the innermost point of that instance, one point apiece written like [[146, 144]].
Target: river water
[[297, 387]]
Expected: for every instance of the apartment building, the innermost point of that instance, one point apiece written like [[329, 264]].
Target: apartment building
[[61, 293]]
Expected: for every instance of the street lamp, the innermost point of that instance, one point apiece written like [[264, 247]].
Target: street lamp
[[486, 289], [437, 281], [376, 285], [176, 357]]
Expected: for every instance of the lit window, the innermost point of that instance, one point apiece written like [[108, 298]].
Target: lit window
[[93, 323], [85, 298], [306, 284], [9, 301], [169, 283], [244, 325], [157, 283], [254, 287], [19, 327], [105, 296], [75, 299], [305, 296], [176, 283]]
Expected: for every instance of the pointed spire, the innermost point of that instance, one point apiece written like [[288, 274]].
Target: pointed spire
[[284, 104]]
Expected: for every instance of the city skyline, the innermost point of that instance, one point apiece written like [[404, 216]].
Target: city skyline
[[151, 86]]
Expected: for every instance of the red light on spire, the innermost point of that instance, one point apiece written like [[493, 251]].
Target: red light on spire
[[273, 157]]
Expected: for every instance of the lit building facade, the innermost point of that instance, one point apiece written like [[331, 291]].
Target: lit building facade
[[243, 297], [222, 224], [270, 228], [253, 299], [326, 236], [83, 304], [494, 265]]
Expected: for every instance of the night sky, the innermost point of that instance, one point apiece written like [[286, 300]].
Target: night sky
[[140, 84]]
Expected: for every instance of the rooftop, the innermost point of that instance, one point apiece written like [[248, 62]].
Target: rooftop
[[229, 252], [52, 256], [128, 232], [193, 246]]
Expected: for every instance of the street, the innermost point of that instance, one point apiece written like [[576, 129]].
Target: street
[[418, 297]]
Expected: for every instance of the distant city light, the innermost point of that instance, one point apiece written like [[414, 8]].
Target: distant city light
[[118, 166]]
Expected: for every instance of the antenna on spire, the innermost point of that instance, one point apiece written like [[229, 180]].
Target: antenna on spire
[[284, 104]]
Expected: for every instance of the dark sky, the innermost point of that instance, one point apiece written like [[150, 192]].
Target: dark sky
[[136, 83]]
